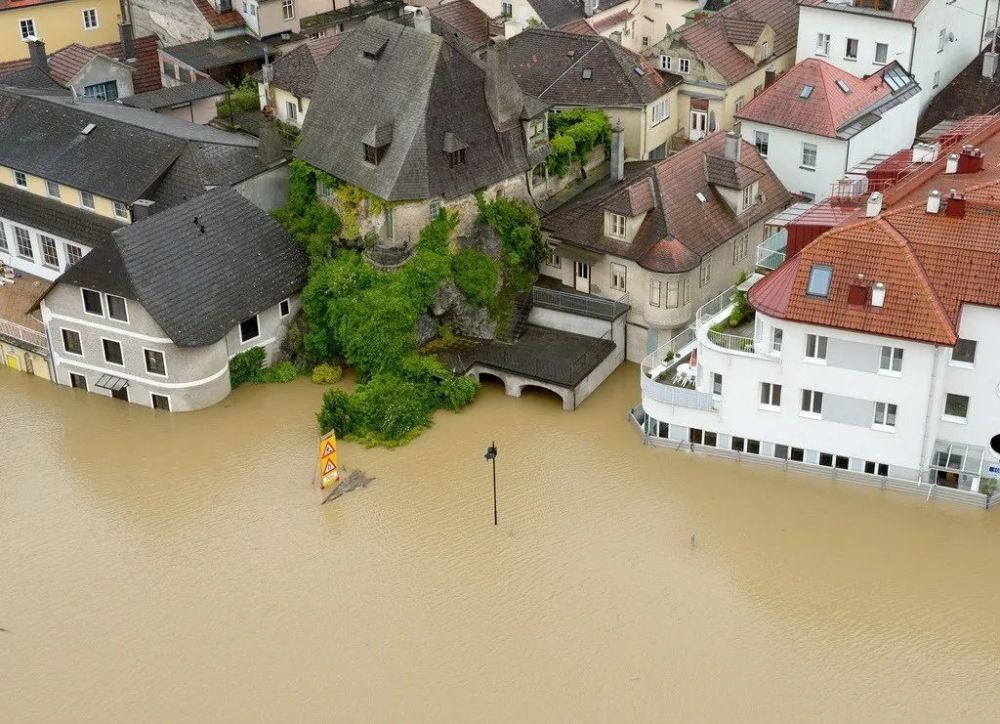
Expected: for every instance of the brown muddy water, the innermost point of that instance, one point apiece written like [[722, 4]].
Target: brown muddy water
[[177, 568]]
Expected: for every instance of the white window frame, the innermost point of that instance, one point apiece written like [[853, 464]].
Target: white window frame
[[83, 302], [666, 62], [121, 210], [891, 370], [955, 418], [885, 415], [104, 352], [107, 308], [885, 58], [717, 381], [762, 138], [808, 409], [287, 304], [748, 197], [71, 257], [19, 176], [23, 24], [42, 238], [823, 45], [17, 243], [291, 112], [4, 245], [683, 65], [62, 339], [741, 248], [433, 209], [553, 259], [288, 9], [962, 363], [617, 225], [86, 385], [240, 328], [847, 48], [51, 186], [820, 346], [815, 156], [771, 391], [84, 195], [88, 14], [655, 297], [145, 362], [675, 293], [705, 272], [165, 397], [619, 278], [660, 111], [777, 340]]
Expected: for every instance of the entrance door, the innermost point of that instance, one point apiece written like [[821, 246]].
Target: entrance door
[[581, 274], [12, 362], [121, 394], [699, 122]]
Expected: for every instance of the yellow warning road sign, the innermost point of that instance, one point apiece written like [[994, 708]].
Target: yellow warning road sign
[[329, 472]]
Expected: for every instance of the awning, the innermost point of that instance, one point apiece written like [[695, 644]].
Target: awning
[[110, 382], [575, 253]]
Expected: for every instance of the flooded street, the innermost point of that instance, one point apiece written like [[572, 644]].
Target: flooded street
[[177, 567]]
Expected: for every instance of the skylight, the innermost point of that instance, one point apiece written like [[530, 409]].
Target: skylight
[[806, 91], [588, 73], [639, 70], [895, 78], [88, 128], [820, 276], [843, 86], [700, 196]]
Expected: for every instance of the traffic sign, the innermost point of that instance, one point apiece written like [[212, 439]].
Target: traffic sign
[[329, 472]]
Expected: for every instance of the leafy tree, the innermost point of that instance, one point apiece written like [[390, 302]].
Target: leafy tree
[[476, 274]]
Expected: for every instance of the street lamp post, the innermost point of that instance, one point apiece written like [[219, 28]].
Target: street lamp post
[[491, 455]]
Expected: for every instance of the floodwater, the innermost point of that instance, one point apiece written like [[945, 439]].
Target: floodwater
[[178, 568]]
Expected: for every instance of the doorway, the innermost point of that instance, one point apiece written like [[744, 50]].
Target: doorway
[[581, 277], [121, 394], [699, 122], [12, 362]]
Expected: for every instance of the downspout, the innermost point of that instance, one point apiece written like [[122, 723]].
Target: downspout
[[913, 47], [927, 416]]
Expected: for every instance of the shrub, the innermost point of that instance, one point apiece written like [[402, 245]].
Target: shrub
[[283, 371], [325, 374], [389, 410], [458, 391], [246, 366], [337, 413], [310, 222], [243, 97], [519, 228], [476, 274]]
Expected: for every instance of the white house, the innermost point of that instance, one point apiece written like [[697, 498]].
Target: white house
[[872, 353], [932, 39], [817, 121]]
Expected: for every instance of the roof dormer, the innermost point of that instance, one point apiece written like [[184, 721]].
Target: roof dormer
[[625, 211], [376, 143]]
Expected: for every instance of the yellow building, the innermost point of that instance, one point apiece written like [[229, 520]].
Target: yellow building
[[58, 22]]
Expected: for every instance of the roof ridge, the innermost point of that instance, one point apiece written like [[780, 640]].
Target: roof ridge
[[571, 65]]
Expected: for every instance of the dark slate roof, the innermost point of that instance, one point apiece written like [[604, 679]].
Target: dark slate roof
[[209, 54], [550, 64], [31, 78], [203, 165], [556, 13], [296, 72], [198, 286], [425, 89], [176, 95], [56, 217]]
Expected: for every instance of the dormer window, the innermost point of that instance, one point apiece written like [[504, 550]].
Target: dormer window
[[455, 149], [748, 196], [376, 143], [374, 155], [616, 225], [456, 158]]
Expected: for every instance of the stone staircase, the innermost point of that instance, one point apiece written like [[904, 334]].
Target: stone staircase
[[518, 318]]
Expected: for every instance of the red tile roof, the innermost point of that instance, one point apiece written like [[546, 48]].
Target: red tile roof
[[219, 21], [931, 264], [827, 109], [711, 42], [466, 18], [579, 27], [21, 4], [610, 21], [64, 65], [903, 9]]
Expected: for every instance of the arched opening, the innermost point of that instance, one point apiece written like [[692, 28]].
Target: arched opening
[[530, 391], [488, 379]]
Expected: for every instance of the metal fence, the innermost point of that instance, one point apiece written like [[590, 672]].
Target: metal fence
[[586, 305], [23, 334]]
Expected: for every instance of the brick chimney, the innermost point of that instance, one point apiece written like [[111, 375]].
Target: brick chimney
[[503, 94], [36, 51], [955, 206], [617, 152]]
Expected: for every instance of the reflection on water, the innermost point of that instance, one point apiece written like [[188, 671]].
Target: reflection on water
[[178, 567]]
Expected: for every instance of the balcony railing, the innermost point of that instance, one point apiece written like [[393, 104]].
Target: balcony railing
[[22, 334], [586, 305], [771, 253], [681, 396], [732, 342]]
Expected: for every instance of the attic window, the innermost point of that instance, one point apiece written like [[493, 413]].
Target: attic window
[[843, 86], [456, 158], [895, 78], [639, 70], [374, 155], [820, 276], [700, 196], [588, 73], [806, 91], [88, 128]]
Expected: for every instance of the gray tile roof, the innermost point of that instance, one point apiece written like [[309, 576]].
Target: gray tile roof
[[209, 54], [176, 95], [296, 72], [33, 78], [201, 165], [425, 89], [199, 285], [55, 217]]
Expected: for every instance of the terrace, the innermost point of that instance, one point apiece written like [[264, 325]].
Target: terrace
[[18, 294]]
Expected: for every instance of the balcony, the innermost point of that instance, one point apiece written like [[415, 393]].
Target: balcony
[[771, 253]]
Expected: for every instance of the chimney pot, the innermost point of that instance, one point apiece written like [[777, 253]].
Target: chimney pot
[[874, 204], [933, 202], [951, 165], [955, 207]]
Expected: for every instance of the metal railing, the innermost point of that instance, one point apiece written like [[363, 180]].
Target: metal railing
[[23, 334], [389, 258], [666, 354], [586, 305], [732, 342], [714, 306], [772, 252], [680, 396]]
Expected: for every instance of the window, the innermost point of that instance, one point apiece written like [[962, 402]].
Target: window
[[770, 395], [618, 276], [705, 271], [809, 155], [666, 62], [687, 290], [777, 335], [553, 258], [113, 352], [816, 347], [716, 384], [661, 111], [3, 239], [117, 308], [616, 225], [73, 254], [822, 44], [812, 402], [753, 447], [672, 299], [90, 19], [21, 179], [696, 436], [881, 52], [964, 352], [160, 402], [27, 28], [738, 444], [885, 415], [956, 407], [711, 439], [781, 452], [507, 9], [78, 382], [797, 454], [184, 75], [851, 51], [284, 308], [942, 39], [760, 140], [71, 342], [873, 468], [937, 79], [891, 360], [374, 155], [434, 209], [645, 41], [765, 50], [249, 329], [826, 460], [291, 111], [807, 90], [748, 197], [739, 104], [104, 91], [684, 65], [288, 9], [53, 189], [24, 248], [741, 247], [121, 210], [50, 257], [456, 158], [842, 462], [87, 200], [820, 277], [654, 292], [323, 191], [92, 303], [156, 363], [169, 70]]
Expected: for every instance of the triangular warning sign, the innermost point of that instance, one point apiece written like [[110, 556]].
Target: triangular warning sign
[[328, 450], [329, 467]]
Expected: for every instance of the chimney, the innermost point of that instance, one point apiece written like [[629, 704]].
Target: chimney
[[933, 202], [421, 18], [617, 152], [951, 165], [589, 7], [142, 209], [503, 95], [732, 150], [956, 205], [874, 205], [36, 50], [269, 148], [990, 64], [971, 160], [127, 37]]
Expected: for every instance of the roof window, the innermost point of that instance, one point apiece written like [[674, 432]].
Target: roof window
[[820, 276], [806, 91], [588, 73], [878, 294], [639, 70], [843, 86], [88, 128], [700, 196]]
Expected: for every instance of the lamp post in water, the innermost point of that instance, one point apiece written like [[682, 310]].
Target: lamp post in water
[[491, 455]]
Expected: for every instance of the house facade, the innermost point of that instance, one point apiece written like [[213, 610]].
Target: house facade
[[726, 60], [669, 236], [58, 22], [868, 355], [154, 317], [933, 40], [816, 122]]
